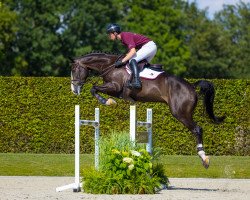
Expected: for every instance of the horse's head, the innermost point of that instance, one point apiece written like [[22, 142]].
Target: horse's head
[[78, 76], [99, 62]]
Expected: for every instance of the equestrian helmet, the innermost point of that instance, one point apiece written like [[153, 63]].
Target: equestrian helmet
[[111, 28]]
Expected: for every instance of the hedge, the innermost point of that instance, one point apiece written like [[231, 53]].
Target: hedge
[[37, 116]]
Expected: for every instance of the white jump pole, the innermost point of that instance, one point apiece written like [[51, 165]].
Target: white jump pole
[[76, 186], [149, 129], [97, 134], [95, 124], [148, 124], [133, 123]]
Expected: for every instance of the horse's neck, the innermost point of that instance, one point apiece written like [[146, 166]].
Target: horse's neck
[[108, 61], [100, 62]]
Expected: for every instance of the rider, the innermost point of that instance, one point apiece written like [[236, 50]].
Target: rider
[[139, 48]]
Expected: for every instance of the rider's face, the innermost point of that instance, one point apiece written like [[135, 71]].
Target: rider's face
[[112, 36]]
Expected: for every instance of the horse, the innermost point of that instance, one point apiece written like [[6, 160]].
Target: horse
[[177, 93]]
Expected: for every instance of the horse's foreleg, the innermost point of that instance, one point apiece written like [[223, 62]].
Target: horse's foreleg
[[96, 95], [106, 89]]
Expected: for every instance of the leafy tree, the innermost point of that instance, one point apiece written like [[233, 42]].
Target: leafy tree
[[86, 23], [37, 37], [236, 23], [8, 28], [208, 46], [37, 40], [50, 32], [161, 21]]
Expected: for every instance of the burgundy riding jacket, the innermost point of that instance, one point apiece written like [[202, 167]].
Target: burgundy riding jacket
[[133, 40]]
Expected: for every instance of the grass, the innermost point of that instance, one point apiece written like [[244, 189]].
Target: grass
[[220, 167], [175, 166], [41, 164]]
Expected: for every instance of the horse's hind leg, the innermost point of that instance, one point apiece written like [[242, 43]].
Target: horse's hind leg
[[184, 115], [197, 131]]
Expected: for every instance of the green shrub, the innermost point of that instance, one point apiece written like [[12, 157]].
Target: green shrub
[[123, 170]]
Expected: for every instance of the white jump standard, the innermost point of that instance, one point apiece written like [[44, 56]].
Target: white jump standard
[[148, 124], [76, 186]]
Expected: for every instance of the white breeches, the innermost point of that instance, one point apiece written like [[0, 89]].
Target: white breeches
[[147, 51]]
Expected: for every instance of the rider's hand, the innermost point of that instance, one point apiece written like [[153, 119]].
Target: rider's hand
[[119, 64]]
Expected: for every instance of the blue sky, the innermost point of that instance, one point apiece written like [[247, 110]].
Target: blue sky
[[215, 5]]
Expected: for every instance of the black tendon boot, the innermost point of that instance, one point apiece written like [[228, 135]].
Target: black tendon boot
[[135, 83]]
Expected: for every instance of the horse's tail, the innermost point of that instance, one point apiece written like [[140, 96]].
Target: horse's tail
[[207, 89]]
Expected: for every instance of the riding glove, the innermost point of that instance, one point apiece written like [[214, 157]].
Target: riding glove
[[119, 64]]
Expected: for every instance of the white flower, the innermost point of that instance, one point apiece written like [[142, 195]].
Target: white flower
[[128, 160], [131, 167], [135, 153]]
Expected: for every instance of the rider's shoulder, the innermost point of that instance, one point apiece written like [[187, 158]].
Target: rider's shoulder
[[127, 33]]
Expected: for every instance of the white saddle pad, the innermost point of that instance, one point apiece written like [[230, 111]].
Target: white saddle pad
[[146, 73]]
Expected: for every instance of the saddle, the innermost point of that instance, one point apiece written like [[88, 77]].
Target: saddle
[[147, 70], [144, 64]]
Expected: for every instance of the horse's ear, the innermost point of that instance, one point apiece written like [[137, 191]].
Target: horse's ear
[[71, 59]]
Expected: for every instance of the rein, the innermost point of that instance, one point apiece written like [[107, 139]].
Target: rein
[[109, 68]]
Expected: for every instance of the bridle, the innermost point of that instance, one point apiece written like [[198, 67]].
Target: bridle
[[78, 78]]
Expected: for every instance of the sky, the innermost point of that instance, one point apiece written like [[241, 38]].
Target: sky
[[215, 5]]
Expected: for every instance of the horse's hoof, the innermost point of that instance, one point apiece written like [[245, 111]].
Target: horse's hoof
[[206, 162], [110, 101]]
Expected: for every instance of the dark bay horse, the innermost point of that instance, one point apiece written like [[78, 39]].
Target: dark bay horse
[[179, 94]]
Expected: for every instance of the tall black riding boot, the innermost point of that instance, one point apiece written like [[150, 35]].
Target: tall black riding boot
[[136, 83]]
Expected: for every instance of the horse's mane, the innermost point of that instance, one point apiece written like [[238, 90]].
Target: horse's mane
[[92, 53]]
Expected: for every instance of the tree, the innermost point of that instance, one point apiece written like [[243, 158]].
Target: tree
[[236, 23], [51, 31], [162, 22], [208, 46], [8, 29], [37, 37]]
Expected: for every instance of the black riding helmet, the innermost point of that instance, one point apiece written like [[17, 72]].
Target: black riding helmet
[[111, 28]]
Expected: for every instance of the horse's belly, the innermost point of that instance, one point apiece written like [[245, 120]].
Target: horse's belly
[[152, 91], [147, 98]]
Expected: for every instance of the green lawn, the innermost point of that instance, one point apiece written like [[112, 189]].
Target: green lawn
[[220, 167], [175, 166]]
